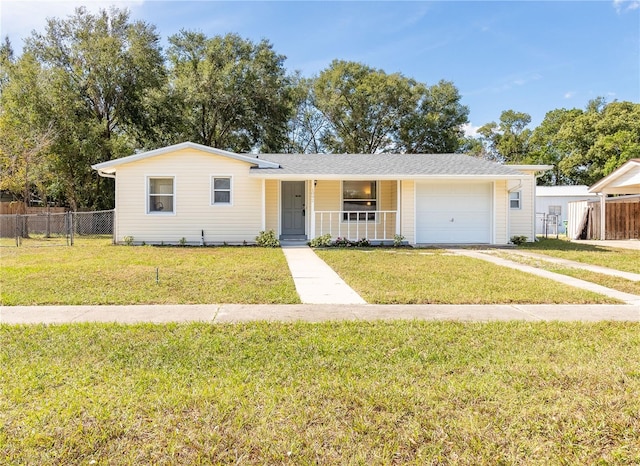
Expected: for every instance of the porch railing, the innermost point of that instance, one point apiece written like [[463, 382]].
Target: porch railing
[[379, 225]]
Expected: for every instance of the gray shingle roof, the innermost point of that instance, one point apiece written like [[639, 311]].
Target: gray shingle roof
[[398, 165]]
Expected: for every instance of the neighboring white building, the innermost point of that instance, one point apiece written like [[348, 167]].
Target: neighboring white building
[[552, 203]]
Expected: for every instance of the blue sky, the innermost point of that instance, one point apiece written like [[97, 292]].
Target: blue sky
[[529, 56]]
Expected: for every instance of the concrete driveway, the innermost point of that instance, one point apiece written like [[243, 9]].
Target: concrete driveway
[[609, 243]]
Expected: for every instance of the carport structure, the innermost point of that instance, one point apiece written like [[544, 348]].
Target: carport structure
[[623, 181]]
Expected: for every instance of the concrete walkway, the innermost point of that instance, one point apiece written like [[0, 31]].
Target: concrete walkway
[[316, 282], [627, 298], [635, 277], [236, 313]]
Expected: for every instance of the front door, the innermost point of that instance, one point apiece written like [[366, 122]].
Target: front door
[[293, 210]]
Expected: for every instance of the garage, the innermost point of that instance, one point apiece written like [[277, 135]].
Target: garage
[[453, 212]]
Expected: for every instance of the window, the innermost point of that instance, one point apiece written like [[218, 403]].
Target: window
[[161, 194], [360, 198], [555, 210], [514, 199], [220, 190]]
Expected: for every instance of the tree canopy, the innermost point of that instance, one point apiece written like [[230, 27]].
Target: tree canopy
[[231, 93], [583, 145], [94, 87]]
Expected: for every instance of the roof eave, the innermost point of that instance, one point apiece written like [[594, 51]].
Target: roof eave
[[533, 168], [600, 186], [383, 177]]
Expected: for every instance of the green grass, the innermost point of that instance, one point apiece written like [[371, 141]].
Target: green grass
[[331, 393], [422, 276], [627, 260], [95, 272]]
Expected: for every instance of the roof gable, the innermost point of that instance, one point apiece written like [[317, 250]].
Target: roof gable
[[624, 180], [110, 166]]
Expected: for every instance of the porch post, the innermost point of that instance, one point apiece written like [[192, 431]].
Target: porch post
[[603, 218], [312, 211], [398, 207]]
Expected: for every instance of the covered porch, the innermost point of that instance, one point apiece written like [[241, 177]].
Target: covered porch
[[348, 209]]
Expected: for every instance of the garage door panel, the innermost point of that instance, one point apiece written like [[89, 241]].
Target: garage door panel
[[453, 212]]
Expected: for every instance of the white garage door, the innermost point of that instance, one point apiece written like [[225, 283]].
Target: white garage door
[[453, 212]]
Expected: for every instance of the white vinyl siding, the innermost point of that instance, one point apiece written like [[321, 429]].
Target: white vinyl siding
[[272, 205], [408, 218], [193, 212], [501, 212], [521, 220]]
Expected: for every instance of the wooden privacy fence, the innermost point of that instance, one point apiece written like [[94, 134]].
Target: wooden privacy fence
[[622, 219]]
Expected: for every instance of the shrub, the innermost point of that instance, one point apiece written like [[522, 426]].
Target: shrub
[[128, 240], [347, 243], [519, 240], [363, 243], [342, 243], [321, 241], [267, 239], [397, 240]]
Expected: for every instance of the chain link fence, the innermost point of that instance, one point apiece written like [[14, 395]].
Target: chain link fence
[[54, 229]]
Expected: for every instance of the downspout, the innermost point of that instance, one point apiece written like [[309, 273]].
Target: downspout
[[115, 217], [264, 206], [312, 211], [106, 175], [398, 207]]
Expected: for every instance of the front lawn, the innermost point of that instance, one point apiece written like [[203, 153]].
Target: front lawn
[[421, 276], [96, 272], [330, 393], [627, 260]]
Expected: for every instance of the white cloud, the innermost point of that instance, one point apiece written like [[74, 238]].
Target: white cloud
[[18, 18], [626, 5], [470, 130], [569, 95]]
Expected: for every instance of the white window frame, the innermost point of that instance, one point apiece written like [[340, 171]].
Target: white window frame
[[374, 212], [149, 195], [517, 199], [213, 191], [554, 207]]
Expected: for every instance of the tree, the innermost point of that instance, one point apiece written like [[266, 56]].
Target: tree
[[508, 141], [549, 148], [588, 145], [307, 124], [436, 123], [26, 131], [370, 111], [234, 94], [363, 105], [100, 68]]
